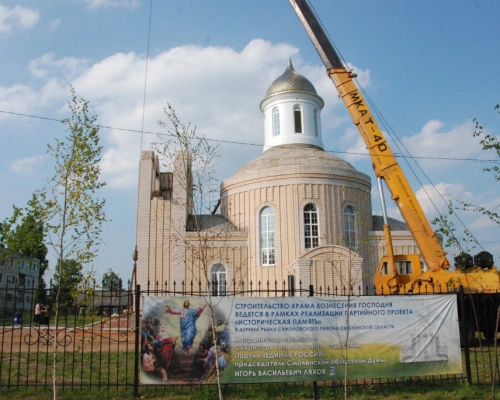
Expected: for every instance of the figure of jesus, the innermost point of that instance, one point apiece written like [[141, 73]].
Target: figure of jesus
[[188, 317]]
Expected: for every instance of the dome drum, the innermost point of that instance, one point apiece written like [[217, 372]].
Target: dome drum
[[292, 111], [287, 105]]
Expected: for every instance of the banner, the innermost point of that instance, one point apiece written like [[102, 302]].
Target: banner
[[271, 339]]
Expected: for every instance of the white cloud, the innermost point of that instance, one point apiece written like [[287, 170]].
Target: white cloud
[[429, 146], [17, 98], [26, 166], [54, 91], [23, 17], [357, 150], [119, 170], [115, 88], [433, 142], [364, 77], [112, 3], [54, 24], [221, 98], [47, 66], [434, 199], [216, 97], [434, 202]]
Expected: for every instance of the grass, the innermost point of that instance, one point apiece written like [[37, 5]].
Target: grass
[[104, 375], [101, 370], [264, 391], [75, 369]]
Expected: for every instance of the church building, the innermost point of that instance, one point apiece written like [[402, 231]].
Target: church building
[[294, 217]]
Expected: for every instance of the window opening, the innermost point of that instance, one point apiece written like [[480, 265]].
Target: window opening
[[316, 126], [385, 269], [404, 267], [349, 228], [297, 114], [311, 226], [218, 273], [267, 236], [276, 122]]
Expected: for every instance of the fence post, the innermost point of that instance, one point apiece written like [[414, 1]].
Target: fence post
[[315, 383], [137, 332], [463, 333]]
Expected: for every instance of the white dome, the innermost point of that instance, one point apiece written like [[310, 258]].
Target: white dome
[[291, 81]]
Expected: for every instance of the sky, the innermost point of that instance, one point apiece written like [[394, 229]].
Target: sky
[[429, 67]]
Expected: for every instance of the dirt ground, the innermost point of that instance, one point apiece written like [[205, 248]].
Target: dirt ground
[[109, 335]]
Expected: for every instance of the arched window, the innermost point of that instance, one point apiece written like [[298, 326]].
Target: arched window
[[297, 115], [267, 236], [218, 273], [276, 121], [316, 125], [349, 228], [310, 226]]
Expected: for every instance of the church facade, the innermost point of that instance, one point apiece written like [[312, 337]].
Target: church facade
[[293, 218]]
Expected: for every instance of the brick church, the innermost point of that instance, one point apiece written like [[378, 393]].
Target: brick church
[[293, 217]]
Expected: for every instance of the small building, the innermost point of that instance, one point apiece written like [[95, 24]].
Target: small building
[[103, 302], [19, 277]]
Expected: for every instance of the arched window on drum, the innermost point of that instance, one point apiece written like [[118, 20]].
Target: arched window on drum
[[316, 123], [297, 118], [276, 121]]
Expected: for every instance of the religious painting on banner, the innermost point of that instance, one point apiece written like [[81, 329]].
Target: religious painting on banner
[[185, 341]]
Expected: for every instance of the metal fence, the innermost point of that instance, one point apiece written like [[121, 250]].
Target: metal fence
[[95, 341]]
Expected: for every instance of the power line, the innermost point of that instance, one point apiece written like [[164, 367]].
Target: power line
[[140, 131]]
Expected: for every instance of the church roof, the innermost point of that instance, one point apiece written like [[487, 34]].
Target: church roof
[[291, 81], [296, 159], [295, 154], [214, 223], [396, 225]]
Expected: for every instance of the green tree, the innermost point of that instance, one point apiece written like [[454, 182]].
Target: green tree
[[110, 280], [67, 280], [71, 213], [445, 226], [490, 144], [22, 234]]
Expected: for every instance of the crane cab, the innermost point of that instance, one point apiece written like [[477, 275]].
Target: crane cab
[[392, 280]]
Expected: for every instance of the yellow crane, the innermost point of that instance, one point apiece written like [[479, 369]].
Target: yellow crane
[[430, 271]]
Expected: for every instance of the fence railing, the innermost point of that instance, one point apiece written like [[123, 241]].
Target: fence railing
[[97, 335], [282, 288]]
